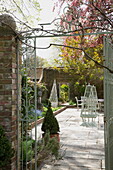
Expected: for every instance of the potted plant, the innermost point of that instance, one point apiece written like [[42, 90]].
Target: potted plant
[[50, 123]]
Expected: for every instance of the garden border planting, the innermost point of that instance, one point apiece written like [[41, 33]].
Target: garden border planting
[[32, 125]]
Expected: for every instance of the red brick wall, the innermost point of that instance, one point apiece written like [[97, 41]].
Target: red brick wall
[[8, 90]]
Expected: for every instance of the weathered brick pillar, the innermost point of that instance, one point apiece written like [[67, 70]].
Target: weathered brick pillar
[[8, 82]]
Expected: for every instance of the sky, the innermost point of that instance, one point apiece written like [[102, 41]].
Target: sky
[[46, 16]]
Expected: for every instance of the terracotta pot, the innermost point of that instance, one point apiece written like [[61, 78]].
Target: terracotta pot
[[53, 135]]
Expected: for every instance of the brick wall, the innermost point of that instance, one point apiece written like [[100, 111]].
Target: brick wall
[[8, 89], [49, 74]]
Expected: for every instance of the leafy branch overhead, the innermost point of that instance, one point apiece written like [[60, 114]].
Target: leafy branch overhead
[[26, 13], [87, 15], [89, 20]]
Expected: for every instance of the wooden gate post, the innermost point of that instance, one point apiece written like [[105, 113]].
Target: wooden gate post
[[8, 82], [108, 103]]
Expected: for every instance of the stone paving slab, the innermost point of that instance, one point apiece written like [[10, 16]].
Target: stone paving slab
[[83, 146]]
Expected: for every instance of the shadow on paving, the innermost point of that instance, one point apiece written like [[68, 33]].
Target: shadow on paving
[[83, 146]]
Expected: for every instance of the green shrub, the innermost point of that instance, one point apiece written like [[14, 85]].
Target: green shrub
[[71, 102], [48, 147], [50, 123], [27, 151], [6, 151], [56, 108], [64, 93], [53, 109]]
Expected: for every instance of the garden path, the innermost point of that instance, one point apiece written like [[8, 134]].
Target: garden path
[[83, 146]]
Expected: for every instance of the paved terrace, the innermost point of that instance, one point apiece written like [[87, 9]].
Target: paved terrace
[[83, 146]]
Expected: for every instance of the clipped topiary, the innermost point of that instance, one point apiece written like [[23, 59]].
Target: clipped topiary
[[50, 123], [6, 151]]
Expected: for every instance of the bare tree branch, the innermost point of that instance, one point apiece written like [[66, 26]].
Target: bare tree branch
[[103, 14]]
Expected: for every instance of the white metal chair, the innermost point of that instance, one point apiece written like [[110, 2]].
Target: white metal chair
[[78, 102], [101, 105]]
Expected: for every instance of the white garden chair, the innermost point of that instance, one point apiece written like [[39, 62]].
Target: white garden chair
[[79, 102]]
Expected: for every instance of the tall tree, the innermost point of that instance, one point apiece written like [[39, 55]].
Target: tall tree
[[25, 12], [40, 62], [75, 63], [87, 17], [91, 15]]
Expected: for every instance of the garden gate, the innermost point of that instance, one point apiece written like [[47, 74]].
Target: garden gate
[[108, 104], [30, 92], [27, 104]]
